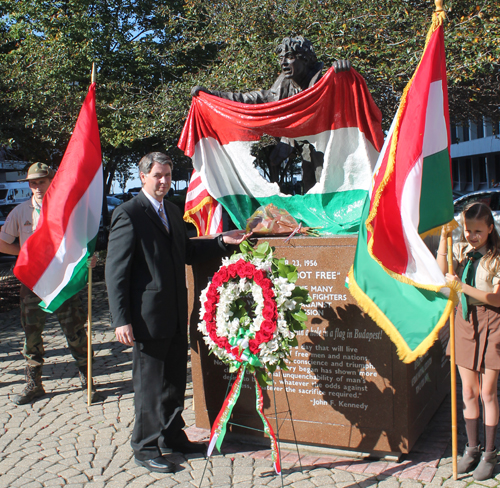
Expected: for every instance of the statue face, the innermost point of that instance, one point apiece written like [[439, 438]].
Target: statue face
[[293, 67]]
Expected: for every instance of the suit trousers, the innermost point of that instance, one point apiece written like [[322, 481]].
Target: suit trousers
[[159, 379]]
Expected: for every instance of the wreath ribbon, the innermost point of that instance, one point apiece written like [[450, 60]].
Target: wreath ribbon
[[220, 425], [242, 340]]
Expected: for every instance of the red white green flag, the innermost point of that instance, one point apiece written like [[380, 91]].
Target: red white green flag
[[53, 261], [395, 278], [337, 116]]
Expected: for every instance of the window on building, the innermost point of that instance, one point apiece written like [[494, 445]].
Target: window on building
[[468, 174], [454, 172], [479, 129], [465, 133], [453, 133], [496, 164], [483, 176]]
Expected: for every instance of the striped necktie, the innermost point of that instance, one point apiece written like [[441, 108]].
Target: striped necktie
[[469, 278], [163, 217]]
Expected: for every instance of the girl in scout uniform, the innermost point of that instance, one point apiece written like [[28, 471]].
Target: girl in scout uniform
[[476, 261]]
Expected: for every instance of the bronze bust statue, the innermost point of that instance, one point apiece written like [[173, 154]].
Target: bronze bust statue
[[300, 69]]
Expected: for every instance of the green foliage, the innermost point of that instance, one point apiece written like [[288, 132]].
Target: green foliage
[[149, 54], [46, 54]]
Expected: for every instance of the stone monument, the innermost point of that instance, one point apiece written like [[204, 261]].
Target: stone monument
[[346, 387]]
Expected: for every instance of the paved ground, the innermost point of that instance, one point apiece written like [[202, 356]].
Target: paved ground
[[59, 441]]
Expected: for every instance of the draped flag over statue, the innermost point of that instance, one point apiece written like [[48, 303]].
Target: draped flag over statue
[[395, 278], [337, 116], [53, 261], [201, 209]]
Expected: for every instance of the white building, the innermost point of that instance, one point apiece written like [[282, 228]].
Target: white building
[[475, 153], [12, 170]]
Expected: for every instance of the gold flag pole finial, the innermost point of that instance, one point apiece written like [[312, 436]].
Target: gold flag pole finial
[[439, 13], [92, 76]]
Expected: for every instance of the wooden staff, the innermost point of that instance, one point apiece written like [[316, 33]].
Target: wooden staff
[[89, 341], [453, 371], [89, 317]]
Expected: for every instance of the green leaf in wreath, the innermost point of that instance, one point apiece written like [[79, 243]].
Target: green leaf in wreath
[[263, 248], [282, 269], [292, 277], [246, 248], [294, 342], [263, 378], [300, 315]]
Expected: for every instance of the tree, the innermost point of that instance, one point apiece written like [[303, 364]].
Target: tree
[[46, 52]]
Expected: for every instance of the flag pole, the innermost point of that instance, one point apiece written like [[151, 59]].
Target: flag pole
[[453, 372], [440, 15], [89, 304]]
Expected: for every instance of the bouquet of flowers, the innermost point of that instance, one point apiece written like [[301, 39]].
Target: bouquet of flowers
[[271, 220]]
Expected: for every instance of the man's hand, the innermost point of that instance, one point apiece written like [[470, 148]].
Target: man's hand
[[341, 65], [235, 237], [197, 89], [125, 335]]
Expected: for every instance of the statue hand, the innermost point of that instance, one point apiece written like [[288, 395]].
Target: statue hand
[[197, 89], [341, 65]]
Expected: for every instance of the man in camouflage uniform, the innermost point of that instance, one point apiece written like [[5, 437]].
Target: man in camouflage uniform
[[20, 224]]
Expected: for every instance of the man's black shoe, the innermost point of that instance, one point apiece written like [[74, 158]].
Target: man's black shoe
[[158, 465]]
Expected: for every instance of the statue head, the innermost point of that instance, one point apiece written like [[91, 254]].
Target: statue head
[[296, 56]]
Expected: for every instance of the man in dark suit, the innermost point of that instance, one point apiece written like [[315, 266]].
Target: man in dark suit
[[145, 276]]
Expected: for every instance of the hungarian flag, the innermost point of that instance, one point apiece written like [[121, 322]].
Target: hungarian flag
[[395, 278], [201, 209], [53, 261], [337, 116]]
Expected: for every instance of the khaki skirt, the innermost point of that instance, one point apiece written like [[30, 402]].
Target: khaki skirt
[[477, 341]]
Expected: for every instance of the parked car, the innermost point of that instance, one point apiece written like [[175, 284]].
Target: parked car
[[112, 203], [124, 197], [13, 193], [103, 234], [5, 258]]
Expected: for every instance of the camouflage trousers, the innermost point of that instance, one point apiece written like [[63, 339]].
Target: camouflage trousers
[[71, 318]]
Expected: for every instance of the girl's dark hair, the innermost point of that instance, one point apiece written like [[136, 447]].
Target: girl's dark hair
[[481, 211]]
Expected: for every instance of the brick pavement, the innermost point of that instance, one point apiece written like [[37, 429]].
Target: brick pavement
[[59, 441]]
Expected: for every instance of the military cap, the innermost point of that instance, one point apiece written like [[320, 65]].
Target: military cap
[[39, 170]]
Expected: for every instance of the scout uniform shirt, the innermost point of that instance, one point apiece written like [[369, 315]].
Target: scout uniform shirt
[[21, 222], [485, 279]]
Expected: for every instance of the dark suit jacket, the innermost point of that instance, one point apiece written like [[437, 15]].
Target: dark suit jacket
[[145, 268]]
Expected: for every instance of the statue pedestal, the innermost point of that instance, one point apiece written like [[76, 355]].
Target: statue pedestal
[[346, 386]]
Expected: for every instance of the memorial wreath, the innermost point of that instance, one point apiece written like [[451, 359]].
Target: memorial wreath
[[250, 313]]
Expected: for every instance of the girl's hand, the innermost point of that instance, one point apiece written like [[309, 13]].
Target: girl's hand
[[444, 233], [453, 277]]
